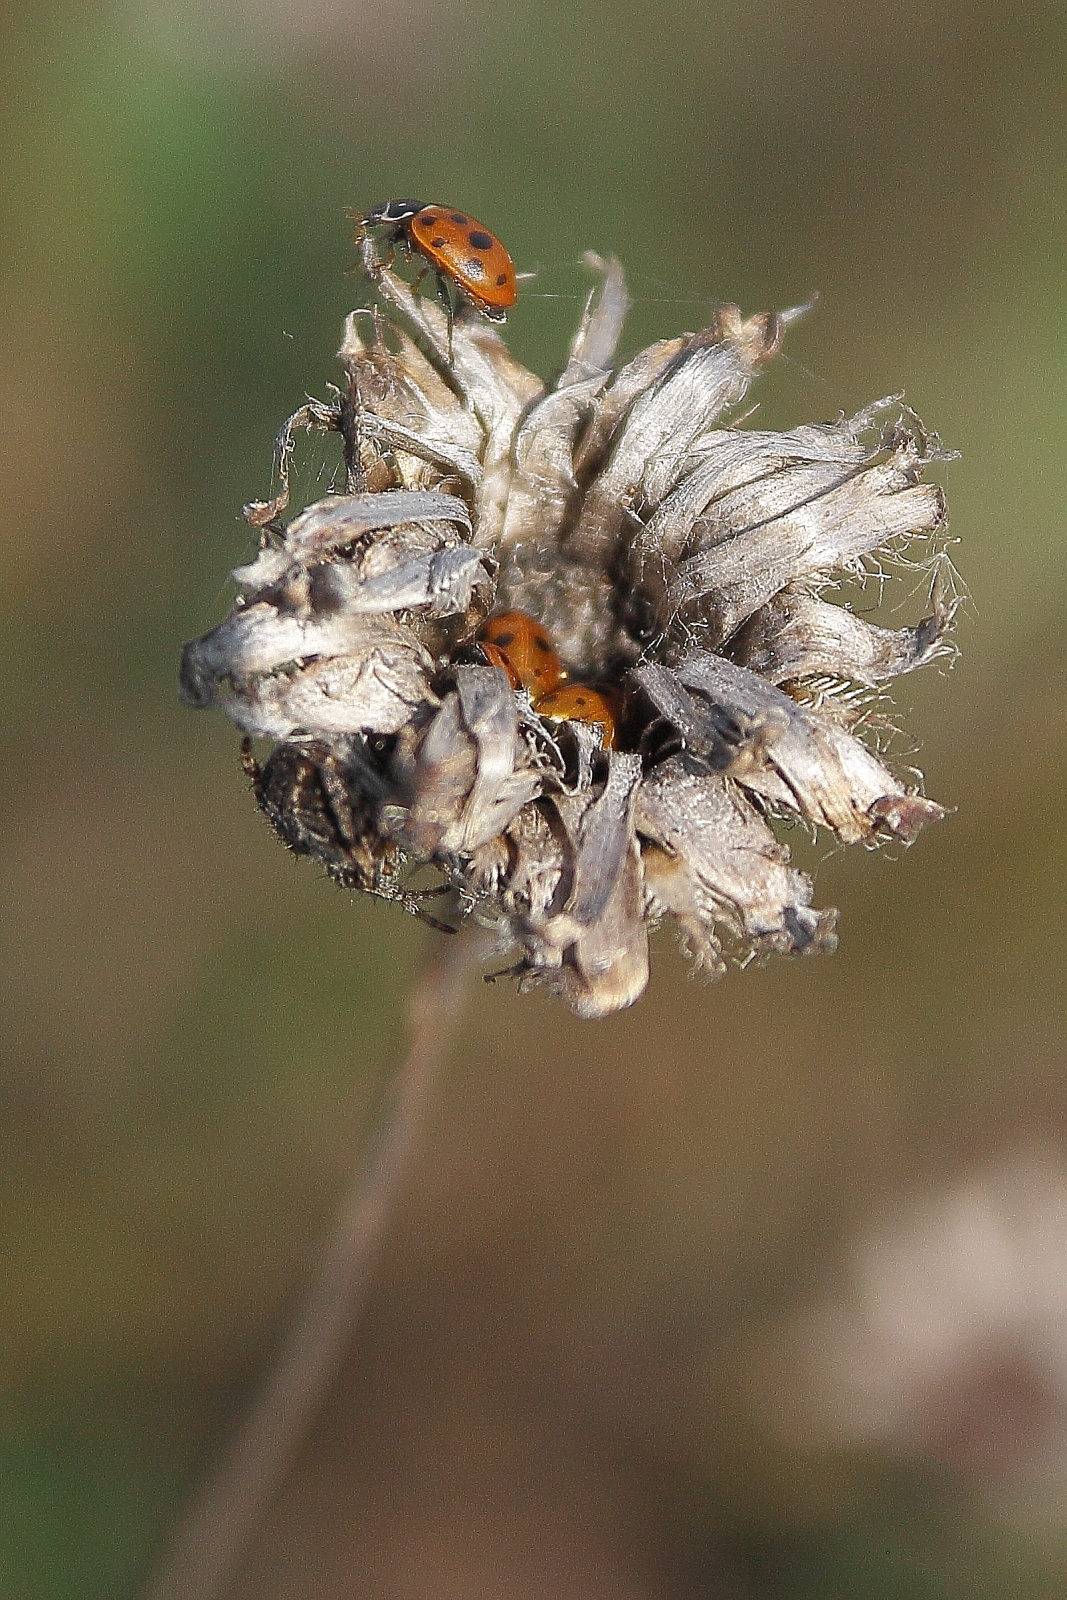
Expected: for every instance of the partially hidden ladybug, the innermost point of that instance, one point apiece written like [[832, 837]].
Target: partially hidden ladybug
[[520, 645], [581, 702], [459, 251]]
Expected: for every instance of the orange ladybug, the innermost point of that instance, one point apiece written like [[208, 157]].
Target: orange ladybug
[[457, 249], [515, 641], [580, 702]]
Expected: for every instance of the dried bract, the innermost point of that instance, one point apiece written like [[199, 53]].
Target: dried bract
[[677, 561]]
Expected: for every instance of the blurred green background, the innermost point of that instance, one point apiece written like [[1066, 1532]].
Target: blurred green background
[[588, 1364]]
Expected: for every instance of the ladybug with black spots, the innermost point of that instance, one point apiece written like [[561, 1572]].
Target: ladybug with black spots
[[518, 643], [581, 702], [461, 252]]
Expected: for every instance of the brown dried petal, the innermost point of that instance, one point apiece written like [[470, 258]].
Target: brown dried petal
[[314, 417], [404, 390], [449, 458], [434, 767], [605, 969], [594, 951]]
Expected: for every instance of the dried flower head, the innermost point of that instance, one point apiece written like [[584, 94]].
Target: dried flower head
[[671, 554]]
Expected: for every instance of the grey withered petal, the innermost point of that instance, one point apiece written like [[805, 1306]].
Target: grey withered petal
[[477, 363], [600, 830], [600, 326], [377, 687], [339, 519], [504, 781], [808, 763], [342, 519], [258, 640], [625, 385], [433, 771], [681, 403], [531, 875], [441, 455], [718, 864], [594, 950], [399, 398], [444, 580], [543, 480], [467, 774], [797, 516], [681, 564], [796, 635]]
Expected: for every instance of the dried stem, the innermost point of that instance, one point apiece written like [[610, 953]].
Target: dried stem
[[219, 1522]]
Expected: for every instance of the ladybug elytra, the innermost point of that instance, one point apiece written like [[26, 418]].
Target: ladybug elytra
[[457, 249]]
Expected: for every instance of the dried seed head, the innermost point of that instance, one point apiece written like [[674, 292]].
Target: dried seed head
[[679, 566]]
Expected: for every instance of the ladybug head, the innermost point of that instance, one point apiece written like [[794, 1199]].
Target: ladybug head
[[392, 211]]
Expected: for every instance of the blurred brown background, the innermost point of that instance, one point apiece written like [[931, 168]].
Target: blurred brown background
[[760, 1289]]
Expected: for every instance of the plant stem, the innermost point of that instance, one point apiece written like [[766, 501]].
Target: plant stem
[[217, 1525]]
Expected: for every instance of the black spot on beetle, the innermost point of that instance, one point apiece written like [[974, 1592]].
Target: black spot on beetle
[[474, 268], [438, 244], [457, 216], [481, 241], [501, 280]]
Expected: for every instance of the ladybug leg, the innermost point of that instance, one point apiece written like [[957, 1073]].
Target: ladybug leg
[[401, 237]]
